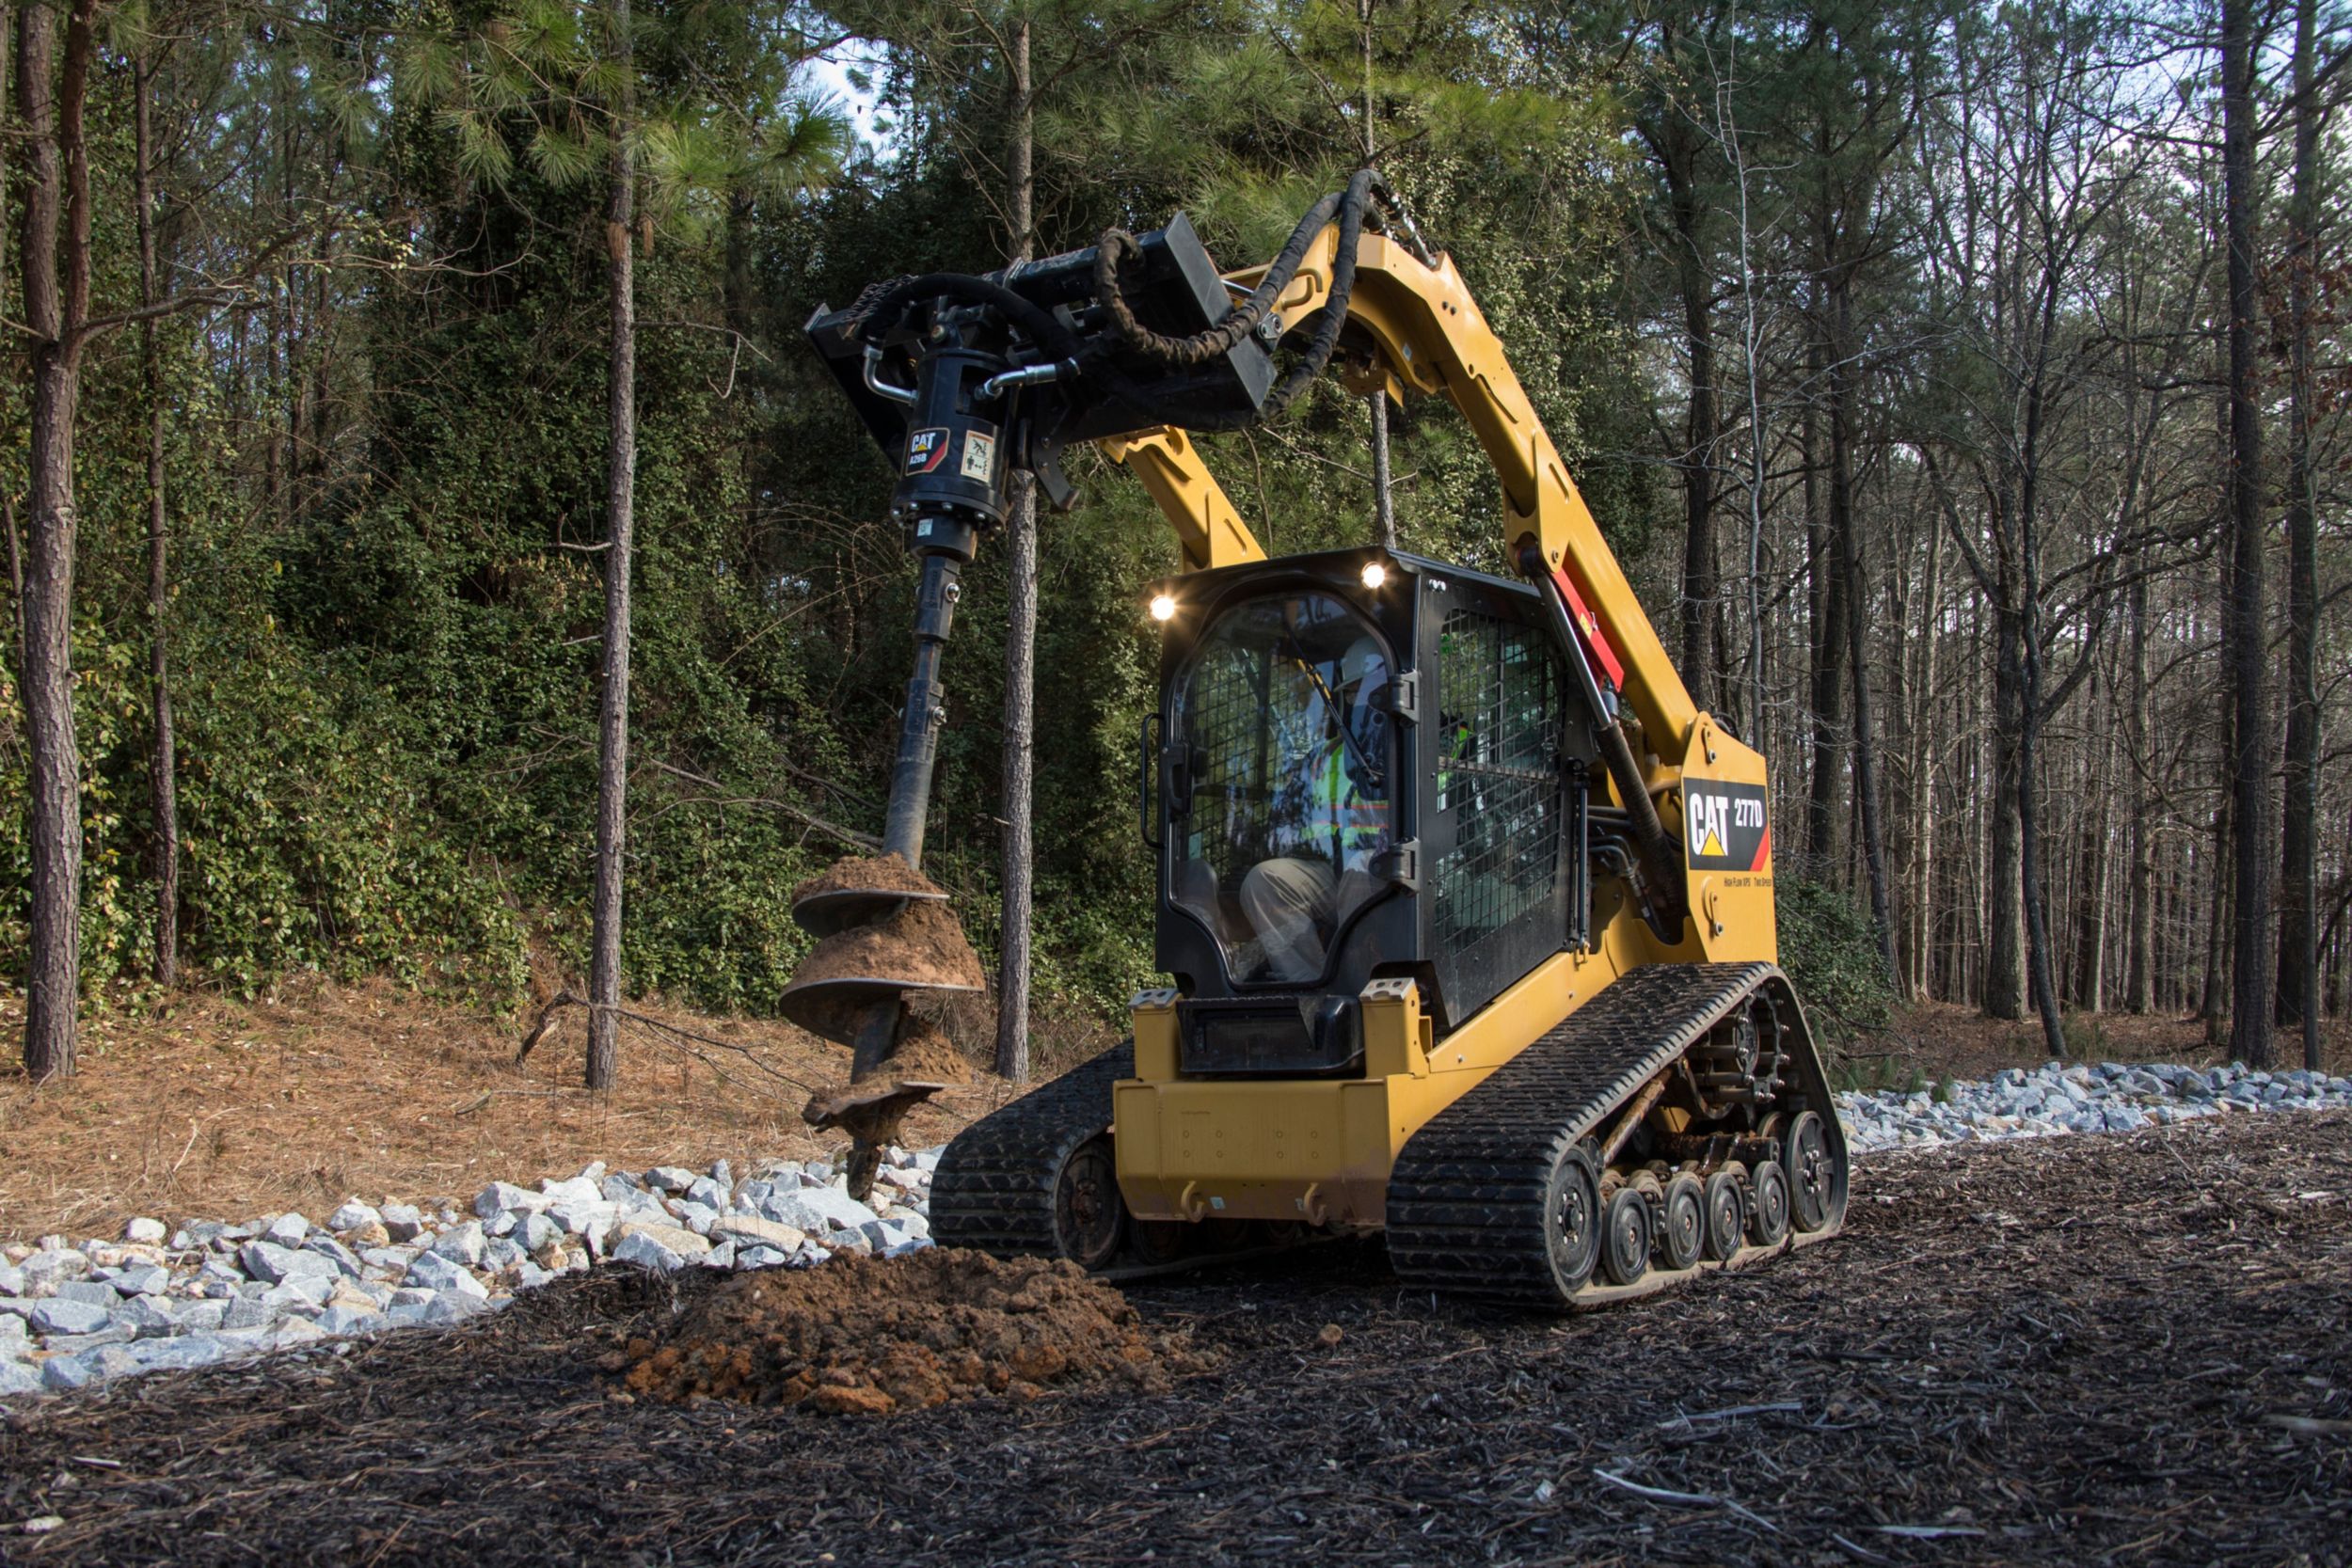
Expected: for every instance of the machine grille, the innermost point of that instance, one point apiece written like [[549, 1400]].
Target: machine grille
[[1501, 703]]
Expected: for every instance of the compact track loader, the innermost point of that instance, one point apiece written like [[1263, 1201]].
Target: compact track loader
[[1468, 908]]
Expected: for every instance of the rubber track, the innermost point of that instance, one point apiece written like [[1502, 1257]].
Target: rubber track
[[995, 1186], [1465, 1208]]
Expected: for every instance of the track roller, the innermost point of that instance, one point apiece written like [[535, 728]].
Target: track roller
[[1768, 1210], [1625, 1238], [1726, 1212], [1682, 1222]]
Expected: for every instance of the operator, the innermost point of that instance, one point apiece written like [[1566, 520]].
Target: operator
[[1332, 817]]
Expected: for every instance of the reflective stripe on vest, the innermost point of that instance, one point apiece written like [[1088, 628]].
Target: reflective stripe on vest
[[1351, 821]]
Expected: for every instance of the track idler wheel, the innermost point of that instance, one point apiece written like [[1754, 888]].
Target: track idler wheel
[[1625, 1238], [1726, 1200], [887, 936], [1572, 1220], [1682, 1223], [1768, 1216], [1089, 1213], [1817, 1188]]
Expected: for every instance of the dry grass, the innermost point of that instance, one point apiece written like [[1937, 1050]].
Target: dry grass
[[212, 1108], [1945, 1039]]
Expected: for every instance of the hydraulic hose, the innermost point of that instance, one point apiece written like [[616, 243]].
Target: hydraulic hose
[[1350, 206]]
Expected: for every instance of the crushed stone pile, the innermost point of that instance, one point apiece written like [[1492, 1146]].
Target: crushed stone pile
[[873, 1336], [2075, 1096], [159, 1299]]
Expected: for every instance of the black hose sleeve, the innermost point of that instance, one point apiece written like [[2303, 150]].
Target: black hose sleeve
[[1117, 246], [1333, 316], [1350, 205]]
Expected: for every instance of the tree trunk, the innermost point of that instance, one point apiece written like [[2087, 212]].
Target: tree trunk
[[55, 266], [1383, 503], [1012, 980], [161, 765], [604, 972], [2038, 963], [2246, 626], [2004, 979], [1827, 592], [2140, 980], [2299, 869], [1843, 529], [1699, 586], [2091, 902]]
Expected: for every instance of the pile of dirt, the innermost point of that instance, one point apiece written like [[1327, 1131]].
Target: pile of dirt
[[919, 946], [924, 1053], [886, 873], [870, 1335]]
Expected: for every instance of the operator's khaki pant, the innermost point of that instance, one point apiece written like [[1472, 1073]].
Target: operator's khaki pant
[[1286, 899]]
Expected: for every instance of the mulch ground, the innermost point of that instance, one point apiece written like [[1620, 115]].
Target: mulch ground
[[2119, 1349]]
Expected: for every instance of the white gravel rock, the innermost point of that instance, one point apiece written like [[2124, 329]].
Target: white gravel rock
[[816, 1209], [353, 1215], [142, 1279], [146, 1232], [439, 1271], [71, 1317], [45, 1270], [287, 1231], [655, 1247], [501, 1196], [749, 1231], [464, 1242], [274, 1262]]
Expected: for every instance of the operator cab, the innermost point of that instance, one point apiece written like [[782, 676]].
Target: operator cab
[[1365, 764]]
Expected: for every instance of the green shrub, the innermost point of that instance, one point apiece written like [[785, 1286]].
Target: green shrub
[[1831, 955]]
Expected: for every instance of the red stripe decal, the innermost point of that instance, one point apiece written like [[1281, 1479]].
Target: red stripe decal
[[1763, 849], [1597, 647]]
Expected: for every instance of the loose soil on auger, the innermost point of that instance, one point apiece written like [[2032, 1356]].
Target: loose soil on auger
[[2132, 1349], [867, 1335]]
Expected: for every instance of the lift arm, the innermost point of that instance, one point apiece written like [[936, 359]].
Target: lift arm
[[1428, 336]]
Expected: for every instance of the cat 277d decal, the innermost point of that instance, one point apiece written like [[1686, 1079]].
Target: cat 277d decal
[[1724, 826]]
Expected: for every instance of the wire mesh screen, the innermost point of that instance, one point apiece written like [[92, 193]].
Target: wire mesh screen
[[1285, 745], [1227, 724], [1500, 703]]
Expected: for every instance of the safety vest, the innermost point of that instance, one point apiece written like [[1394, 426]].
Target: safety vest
[[1353, 826]]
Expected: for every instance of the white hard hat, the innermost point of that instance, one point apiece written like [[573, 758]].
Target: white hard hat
[[1363, 661]]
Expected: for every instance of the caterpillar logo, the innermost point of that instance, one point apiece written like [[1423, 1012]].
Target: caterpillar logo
[[926, 450], [1724, 829]]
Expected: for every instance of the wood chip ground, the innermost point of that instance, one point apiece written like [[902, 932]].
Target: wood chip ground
[[2130, 1350]]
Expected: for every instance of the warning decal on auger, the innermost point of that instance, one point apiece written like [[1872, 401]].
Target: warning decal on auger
[[1725, 826]]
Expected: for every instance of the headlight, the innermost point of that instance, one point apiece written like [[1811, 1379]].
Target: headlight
[[1163, 606], [1376, 573]]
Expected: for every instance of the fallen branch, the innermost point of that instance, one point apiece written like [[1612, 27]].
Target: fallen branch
[[1688, 1499], [657, 1028]]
